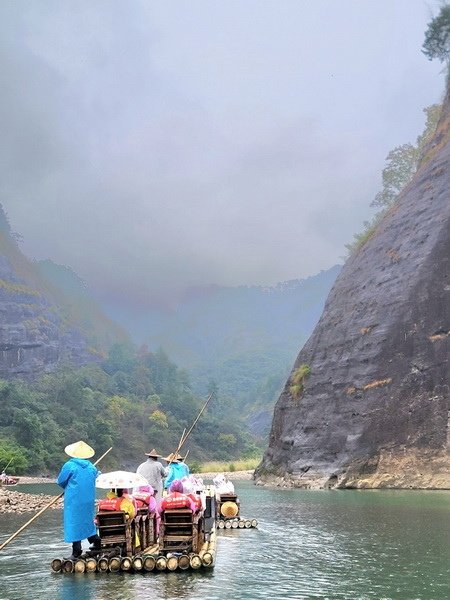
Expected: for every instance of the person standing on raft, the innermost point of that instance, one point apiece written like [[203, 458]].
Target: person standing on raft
[[77, 478], [177, 469], [153, 471]]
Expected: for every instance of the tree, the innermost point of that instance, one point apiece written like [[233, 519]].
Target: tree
[[401, 166], [437, 36]]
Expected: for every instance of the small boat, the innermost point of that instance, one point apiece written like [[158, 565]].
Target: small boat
[[8, 479]]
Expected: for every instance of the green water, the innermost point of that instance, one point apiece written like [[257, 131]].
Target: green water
[[336, 545]]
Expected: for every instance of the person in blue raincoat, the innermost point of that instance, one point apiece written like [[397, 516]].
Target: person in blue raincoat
[[77, 478], [177, 469]]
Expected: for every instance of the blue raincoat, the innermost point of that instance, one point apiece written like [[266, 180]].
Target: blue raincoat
[[177, 470], [77, 477]]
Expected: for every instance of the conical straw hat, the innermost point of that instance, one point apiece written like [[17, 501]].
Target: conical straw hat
[[229, 509], [79, 450], [153, 454], [173, 457]]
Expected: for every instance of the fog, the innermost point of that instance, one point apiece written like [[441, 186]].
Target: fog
[[154, 146]]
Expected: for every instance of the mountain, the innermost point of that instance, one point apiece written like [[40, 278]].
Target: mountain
[[43, 322], [367, 401], [241, 339]]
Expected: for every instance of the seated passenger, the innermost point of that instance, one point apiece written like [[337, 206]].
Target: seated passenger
[[177, 499]]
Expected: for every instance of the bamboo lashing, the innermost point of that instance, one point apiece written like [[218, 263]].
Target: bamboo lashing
[[38, 514]]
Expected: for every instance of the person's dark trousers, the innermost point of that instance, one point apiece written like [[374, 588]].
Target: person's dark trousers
[[93, 539]]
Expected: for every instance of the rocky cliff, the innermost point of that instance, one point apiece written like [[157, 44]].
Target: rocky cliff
[[39, 326], [367, 402]]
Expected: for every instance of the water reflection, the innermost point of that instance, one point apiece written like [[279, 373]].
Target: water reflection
[[76, 588], [328, 545]]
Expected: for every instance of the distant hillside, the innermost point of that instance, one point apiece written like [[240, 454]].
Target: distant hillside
[[244, 339], [79, 306], [41, 324]]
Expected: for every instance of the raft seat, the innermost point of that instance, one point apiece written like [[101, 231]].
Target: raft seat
[[179, 531], [116, 529]]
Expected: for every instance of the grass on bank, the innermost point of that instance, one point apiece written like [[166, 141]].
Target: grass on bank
[[225, 467]]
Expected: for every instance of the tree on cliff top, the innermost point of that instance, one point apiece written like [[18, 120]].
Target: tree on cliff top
[[437, 36]]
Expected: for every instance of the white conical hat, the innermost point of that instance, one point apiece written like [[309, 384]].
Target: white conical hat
[[79, 450]]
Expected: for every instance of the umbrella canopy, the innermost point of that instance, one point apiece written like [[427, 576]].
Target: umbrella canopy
[[119, 479]]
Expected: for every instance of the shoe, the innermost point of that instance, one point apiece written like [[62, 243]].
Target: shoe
[[95, 547], [72, 557]]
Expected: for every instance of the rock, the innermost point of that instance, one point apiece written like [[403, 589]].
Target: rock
[[374, 410]]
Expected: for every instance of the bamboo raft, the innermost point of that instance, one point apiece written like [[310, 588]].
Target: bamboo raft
[[186, 541], [228, 516]]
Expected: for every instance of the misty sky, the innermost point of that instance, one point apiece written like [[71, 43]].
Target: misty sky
[[157, 145]]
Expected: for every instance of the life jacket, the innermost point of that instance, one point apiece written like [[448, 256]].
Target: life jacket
[[142, 499], [175, 500], [197, 501], [124, 503]]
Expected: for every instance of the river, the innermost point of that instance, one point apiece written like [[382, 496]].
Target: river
[[335, 545]]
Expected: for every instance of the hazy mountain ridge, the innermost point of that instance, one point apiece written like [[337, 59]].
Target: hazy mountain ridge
[[41, 325], [243, 338]]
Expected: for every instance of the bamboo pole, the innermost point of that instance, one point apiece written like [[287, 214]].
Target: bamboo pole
[[114, 564], [67, 566], [149, 563], [172, 563], [10, 461], [102, 564], [91, 564], [185, 436], [207, 559], [254, 523], [195, 561], [38, 514], [138, 563], [57, 565], [195, 422], [126, 563], [161, 563], [183, 562], [79, 566]]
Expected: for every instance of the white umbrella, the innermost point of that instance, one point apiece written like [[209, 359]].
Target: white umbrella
[[119, 479]]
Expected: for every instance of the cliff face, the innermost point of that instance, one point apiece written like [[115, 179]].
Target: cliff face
[[374, 410], [38, 327]]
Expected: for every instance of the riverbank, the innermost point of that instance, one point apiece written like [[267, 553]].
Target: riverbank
[[20, 502], [12, 501]]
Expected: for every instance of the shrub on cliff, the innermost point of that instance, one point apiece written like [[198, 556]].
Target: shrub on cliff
[[437, 36]]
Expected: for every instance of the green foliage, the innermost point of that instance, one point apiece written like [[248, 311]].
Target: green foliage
[[401, 165], [232, 467], [298, 379], [195, 466], [437, 36], [400, 168], [227, 439], [137, 399], [13, 457], [159, 418]]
